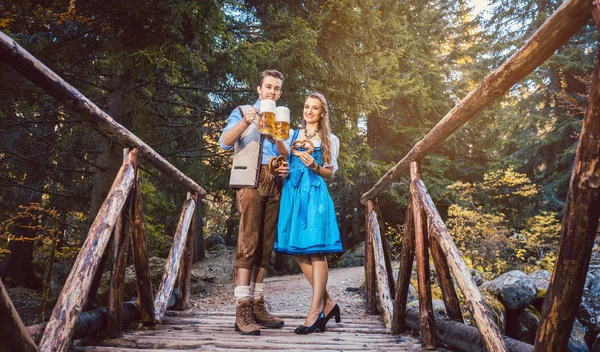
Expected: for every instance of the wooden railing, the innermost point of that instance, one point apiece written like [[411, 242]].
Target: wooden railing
[[425, 230], [119, 221]]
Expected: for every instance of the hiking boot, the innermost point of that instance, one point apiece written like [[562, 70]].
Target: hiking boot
[[244, 321], [262, 315]]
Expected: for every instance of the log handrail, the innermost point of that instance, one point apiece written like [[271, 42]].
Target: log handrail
[[70, 302], [563, 23], [28, 66]]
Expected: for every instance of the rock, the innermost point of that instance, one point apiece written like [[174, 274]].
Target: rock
[[541, 279], [438, 306], [523, 326], [577, 339], [514, 289], [157, 269], [497, 310], [596, 344], [476, 276], [213, 241], [60, 272], [352, 257]]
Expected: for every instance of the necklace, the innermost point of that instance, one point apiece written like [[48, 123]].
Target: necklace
[[309, 136]]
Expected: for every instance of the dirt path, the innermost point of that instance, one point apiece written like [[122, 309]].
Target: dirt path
[[291, 293]]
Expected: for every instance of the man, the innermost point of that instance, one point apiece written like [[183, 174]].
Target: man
[[257, 193]]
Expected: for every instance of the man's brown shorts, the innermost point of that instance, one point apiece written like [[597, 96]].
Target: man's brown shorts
[[259, 211]]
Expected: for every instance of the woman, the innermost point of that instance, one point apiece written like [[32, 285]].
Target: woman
[[307, 225]]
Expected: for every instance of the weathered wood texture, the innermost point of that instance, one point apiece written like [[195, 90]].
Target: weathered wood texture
[[75, 291], [140, 257], [407, 256], [565, 22], [119, 255], [194, 330], [185, 270], [579, 226], [15, 336], [385, 299], [445, 278], [475, 304], [423, 270], [462, 337], [173, 261], [371, 303], [23, 62], [386, 251]]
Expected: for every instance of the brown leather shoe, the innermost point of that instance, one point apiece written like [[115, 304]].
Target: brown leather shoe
[[244, 321], [262, 315]]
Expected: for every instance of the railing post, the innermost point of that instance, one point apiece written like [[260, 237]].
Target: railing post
[[70, 302], [446, 284], [185, 270], [407, 255], [371, 304], [423, 274], [386, 252], [579, 226], [121, 238], [173, 261], [477, 307], [385, 299], [140, 257]]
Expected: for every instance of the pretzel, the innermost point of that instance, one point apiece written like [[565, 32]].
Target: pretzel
[[275, 163], [302, 144]]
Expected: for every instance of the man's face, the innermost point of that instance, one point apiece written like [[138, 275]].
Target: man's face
[[270, 88]]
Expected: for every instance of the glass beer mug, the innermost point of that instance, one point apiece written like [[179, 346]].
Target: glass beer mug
[[266, 117], [281, 129]]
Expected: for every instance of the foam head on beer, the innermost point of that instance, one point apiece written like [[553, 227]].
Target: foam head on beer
[[266, 116], [281, 130]]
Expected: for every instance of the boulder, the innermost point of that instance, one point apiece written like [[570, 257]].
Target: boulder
[[214, 242], [577, 339], [352, 257], [497, 310], [438, 306], [514, 289], [541, 279], [476, 276], [523, 325]]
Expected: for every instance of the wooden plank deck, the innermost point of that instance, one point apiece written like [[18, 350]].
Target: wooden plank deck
[[213, 331]]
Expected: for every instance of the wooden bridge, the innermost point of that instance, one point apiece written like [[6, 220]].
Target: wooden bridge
[[121, 216]]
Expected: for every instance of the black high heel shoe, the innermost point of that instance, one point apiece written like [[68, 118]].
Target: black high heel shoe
[[318, 325], [335, 311]]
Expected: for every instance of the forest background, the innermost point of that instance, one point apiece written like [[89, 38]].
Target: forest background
[[172, 71]]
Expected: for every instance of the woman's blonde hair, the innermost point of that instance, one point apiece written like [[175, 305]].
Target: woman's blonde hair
[[323, 127]]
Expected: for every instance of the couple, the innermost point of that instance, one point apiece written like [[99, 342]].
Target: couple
[[298, 219]]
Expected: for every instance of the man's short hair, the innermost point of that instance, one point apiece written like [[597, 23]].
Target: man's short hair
[[272, 73]]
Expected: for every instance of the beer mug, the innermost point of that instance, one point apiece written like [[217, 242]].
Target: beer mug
[[281, 130], [266, 117]]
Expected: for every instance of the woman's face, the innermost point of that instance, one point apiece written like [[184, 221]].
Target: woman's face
[[313, 110]]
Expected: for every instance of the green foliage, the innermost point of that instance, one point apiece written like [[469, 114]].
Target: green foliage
[[496, 228], [45, 224]]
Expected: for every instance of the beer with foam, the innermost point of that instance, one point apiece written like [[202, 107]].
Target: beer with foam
[[266, 117], [281, 129]]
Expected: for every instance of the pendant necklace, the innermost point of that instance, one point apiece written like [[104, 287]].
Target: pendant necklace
[[309, 136]]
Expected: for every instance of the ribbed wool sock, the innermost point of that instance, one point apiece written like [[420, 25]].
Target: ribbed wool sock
[[258, 290], [241, 292]]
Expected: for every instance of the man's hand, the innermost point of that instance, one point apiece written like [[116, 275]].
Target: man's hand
[[250, 115], [284, 170]]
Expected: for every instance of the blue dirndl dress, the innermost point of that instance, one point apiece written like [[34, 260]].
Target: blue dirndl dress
[[307, 222]]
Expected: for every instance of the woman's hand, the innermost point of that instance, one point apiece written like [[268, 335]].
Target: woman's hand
[[306, 158], [284, 170]]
